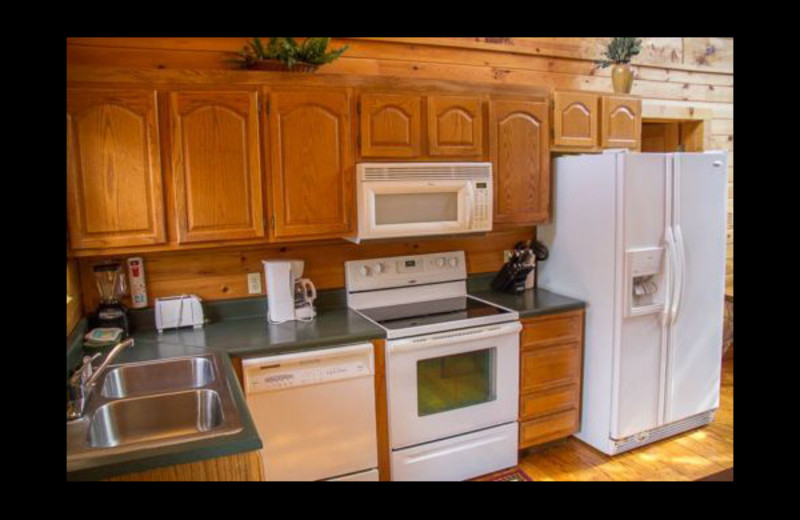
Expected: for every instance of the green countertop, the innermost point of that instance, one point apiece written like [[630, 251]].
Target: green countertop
[[243, 331], [533, 302]]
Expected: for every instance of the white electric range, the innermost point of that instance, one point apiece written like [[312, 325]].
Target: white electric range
[[452, 366]]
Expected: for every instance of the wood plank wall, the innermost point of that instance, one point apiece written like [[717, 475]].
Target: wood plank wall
[[74, 291], [222, 274], [674, 75]]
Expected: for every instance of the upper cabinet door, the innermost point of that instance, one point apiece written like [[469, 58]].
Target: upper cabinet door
[[622, 122], [575, 117], [114, 190], [520, 152], [216, 166], [455, 126], [312, 178], [390, 125]]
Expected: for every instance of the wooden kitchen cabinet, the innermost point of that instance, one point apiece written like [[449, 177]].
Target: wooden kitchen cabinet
[[455, 126], [520, 154], [240, 467], [575, 119], [114, 184], [390, 125], [216, 165], [551, 361], [312, 165], [621, 124]]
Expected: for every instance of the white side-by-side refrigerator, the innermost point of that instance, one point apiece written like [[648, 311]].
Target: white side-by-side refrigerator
[[640, 237]]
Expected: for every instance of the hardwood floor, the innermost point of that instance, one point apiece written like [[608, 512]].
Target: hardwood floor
[[690, 456]]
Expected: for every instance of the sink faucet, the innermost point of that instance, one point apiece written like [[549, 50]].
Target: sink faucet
[[82, 381]]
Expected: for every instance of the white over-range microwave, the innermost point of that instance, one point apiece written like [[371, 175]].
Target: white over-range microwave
[[419, 199]]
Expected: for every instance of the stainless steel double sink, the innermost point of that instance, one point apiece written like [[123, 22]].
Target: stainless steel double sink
[[152, 404]]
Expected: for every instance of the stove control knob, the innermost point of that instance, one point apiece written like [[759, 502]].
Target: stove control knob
[[378, 268], [453, 261], [365, 270], [440, 262]]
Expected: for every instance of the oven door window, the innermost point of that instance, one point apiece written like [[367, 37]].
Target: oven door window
[[455, 381], [412, 208]]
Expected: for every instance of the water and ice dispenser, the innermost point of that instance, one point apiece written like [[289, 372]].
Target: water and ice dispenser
[[644, 281]]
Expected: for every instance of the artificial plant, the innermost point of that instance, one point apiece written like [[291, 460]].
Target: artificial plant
[[620, 50], [313, 51]]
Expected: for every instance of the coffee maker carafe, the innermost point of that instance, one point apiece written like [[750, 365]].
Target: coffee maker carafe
[[110, 281], [289, 297]]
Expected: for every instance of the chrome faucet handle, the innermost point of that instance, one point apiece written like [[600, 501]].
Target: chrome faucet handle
[[80, 384], [119, 347]]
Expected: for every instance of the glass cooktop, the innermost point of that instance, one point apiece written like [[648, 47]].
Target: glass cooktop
[[431, 312]]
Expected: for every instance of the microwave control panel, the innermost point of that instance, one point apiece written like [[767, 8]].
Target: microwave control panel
[[482, 210]]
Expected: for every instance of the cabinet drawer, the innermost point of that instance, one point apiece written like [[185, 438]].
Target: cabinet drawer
[[550, 367], [549, 329], [548, 401], [551, 427]]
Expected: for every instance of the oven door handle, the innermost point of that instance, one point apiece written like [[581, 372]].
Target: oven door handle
[[456, 336]]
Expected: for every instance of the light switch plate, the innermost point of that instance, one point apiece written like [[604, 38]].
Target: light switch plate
[[254, 283]]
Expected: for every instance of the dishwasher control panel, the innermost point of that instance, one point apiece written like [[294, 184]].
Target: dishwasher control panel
[[283, 374]]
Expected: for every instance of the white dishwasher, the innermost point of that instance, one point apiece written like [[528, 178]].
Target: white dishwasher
[[315, 413]]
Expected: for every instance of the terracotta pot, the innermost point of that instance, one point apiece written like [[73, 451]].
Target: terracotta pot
[[622, 78]]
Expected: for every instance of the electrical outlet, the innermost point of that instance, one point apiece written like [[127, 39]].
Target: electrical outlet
[[253, 283], [507, 255]]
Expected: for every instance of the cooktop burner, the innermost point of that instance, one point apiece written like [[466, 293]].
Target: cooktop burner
[[431, 312]]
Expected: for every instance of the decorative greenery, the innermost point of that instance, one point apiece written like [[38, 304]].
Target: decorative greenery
[[620, 50], [312, 51]]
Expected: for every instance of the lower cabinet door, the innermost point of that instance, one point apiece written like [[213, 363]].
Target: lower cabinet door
[[458, 458], [548, 428]]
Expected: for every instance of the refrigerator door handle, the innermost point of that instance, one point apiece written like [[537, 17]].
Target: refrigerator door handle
[[681, 282], [670, 275]]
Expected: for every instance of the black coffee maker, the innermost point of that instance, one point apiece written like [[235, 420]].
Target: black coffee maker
[[110, 281]]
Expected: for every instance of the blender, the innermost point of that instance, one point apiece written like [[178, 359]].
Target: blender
[[110, 282]]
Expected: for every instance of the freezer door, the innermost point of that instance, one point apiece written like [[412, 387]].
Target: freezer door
[[694, 354], [640, 350]]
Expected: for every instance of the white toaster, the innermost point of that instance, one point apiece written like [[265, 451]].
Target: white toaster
[[174, 312]]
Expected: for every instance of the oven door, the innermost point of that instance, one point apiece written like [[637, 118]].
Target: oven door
[[403, 208], [451, 383]]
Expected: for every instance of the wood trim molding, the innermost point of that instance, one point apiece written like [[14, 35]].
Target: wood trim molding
[[382, 410]]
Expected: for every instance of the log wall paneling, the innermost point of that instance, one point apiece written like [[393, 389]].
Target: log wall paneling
[[222, 274], [114, 186], [216, 165], [74, 303], [519, 146], [390, 125], [313, 169]]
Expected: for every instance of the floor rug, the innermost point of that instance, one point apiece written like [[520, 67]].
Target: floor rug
[[507, 475]]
